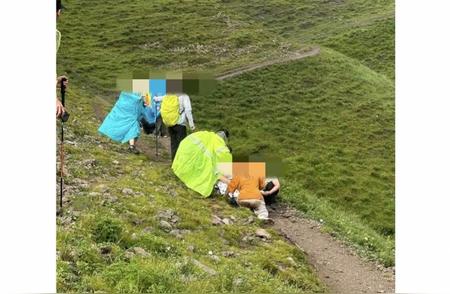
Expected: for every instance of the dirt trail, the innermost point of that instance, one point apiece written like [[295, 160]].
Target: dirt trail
[[339, 267], [291, 57]]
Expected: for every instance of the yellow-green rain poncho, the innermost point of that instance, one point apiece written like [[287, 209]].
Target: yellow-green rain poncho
[[197, 161]]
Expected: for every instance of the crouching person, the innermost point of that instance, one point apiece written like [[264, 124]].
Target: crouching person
[[250, 194]]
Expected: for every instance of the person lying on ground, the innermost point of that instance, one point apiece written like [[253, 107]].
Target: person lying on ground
[[271, 189], [250, 194]]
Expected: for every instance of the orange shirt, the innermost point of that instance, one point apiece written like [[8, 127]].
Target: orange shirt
[[249, 188]]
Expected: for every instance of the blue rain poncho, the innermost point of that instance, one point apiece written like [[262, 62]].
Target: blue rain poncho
[[122, 123]]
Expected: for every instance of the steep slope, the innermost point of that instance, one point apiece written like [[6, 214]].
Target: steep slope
[[331, 120], [129, 225]]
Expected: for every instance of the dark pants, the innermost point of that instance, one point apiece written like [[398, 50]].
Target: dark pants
[[177, 133]]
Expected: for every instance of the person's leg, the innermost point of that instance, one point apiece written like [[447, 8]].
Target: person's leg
[[132, 147], [261, 211], [180, 134], [173, 139]]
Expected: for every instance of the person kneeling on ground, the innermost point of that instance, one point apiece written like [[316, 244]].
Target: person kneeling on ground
[[250, 194]]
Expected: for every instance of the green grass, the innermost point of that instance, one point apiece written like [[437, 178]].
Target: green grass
[[331, 120], [330, 117], [96, 233], [373, 45]]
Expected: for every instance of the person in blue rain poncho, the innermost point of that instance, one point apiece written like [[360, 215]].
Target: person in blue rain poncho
[[122, 124]]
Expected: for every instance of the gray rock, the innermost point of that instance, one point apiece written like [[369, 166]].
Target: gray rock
[[140, 252], [165, 226], [215, 258], [216, 221], [93, 194], [249, 220], [203, 267], [177, 233], [115, 162], [228, 254], [262, 234], [129, 255], [227, 221], [191, 248], [165, 214], [127, 191], [147, 230]]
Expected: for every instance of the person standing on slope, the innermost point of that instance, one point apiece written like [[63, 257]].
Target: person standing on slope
[[176, 112], [59, 107]]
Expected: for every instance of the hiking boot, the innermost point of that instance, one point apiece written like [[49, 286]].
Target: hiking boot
[[132, 149]]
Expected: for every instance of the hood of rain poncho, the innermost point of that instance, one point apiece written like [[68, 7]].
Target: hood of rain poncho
[[197, 158], [122, 123]]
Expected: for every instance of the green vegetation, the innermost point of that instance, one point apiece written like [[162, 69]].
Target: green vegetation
[[330, 117], [110, 237]]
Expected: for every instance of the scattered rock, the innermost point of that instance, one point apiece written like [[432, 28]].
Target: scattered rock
[[203, 267], [129, 255], [262, 234], [215, 258], [165, 226], [127, 191], [147, 230], [93, 194], [134, 237], [248, 239], [227, 221], [177, 233], [89, 163], [191, 248], [249, 220], [140, 251], [232, 218], [216, 221], [228, 254], [111, 198], [102, 188], [115, 162]]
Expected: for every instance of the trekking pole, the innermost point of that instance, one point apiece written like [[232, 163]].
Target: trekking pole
[[61, 151], [156, 145]]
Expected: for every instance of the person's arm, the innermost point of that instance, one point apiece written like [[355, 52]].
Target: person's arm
[[261, 183], [158, 98], [188, 111], [233, 185], [276, 187]]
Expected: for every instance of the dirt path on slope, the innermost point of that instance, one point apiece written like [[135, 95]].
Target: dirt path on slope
[[291, 57], [338, 266]]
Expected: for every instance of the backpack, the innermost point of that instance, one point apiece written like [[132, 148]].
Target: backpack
[[170, 110]]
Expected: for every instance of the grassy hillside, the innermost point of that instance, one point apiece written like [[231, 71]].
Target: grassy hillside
[[373, 45], [330, 117], [112, 237], [332, 121]]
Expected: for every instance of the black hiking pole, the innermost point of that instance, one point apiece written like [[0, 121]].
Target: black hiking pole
[[64, 117], [156, 145]]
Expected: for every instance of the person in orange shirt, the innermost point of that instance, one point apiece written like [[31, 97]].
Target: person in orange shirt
[[250, 194]]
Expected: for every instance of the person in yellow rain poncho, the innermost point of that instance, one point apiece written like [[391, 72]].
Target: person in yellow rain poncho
[[199, 159]]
